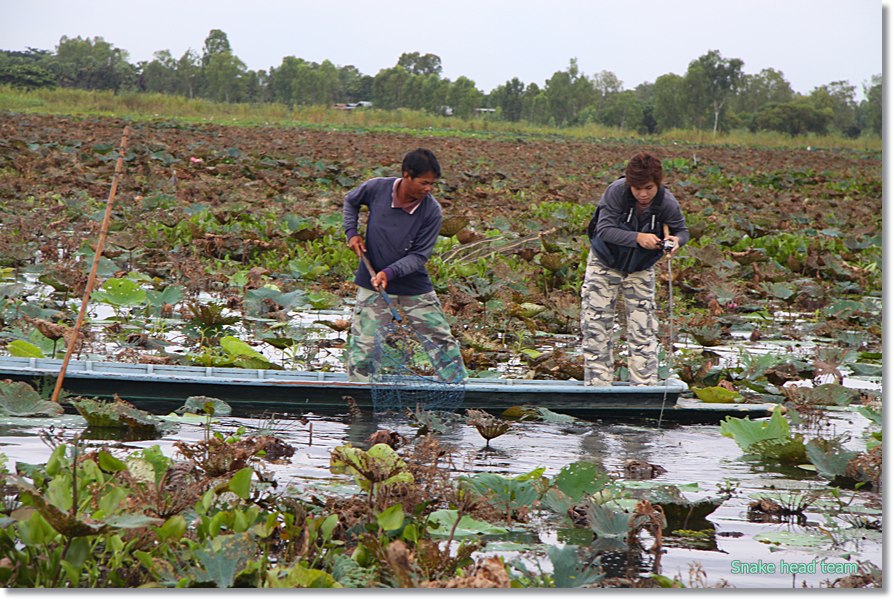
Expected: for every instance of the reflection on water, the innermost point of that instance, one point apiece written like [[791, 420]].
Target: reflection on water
[[690, 454]]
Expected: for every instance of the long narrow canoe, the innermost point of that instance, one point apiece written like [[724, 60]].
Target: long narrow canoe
[[258, 391]]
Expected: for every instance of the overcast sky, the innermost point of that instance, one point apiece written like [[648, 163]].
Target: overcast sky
[[812, 42]]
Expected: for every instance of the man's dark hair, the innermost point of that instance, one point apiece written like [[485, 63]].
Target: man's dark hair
[[420, 161], [643, 169]]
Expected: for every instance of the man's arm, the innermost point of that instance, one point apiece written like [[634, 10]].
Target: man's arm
[[350, 212]]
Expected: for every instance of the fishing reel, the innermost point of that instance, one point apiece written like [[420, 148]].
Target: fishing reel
[[667, 246]]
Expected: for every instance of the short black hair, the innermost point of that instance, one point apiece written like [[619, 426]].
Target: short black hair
[[420, 161]]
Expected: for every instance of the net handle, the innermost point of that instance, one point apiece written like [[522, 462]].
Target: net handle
[[372, 273]]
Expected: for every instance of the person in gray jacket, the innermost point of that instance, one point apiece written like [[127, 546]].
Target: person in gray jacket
[[637, 221]]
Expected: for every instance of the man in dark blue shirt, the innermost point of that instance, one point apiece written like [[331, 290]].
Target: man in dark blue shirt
[[403, 224]]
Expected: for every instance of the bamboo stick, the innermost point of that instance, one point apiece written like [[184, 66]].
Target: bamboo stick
[[91, 279]]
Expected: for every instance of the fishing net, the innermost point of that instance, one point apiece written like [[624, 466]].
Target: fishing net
[[409, 372]]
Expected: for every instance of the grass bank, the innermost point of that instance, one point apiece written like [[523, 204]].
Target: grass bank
[[150, 107]]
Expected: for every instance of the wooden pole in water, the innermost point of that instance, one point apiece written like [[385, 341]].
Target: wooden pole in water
[[91, 279]]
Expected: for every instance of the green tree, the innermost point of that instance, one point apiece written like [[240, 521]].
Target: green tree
[[217, 42], [622, 110], [464, 97], [797, 117], [509, 98], [93, 64], [189, 74], [606, 83], [710, 81], [354, 85], [159, 74], [755, 91], [225, 78], [256, 86], [838, 97], [388, 86], [307, 84], [27, 70], [535, 108], [567, 94], [425, 92], [282, 80], [870, 110], [420, 64], [668, 102]]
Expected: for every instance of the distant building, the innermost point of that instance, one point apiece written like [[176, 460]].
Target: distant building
[[352, 105]]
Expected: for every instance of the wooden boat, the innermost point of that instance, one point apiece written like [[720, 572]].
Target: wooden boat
[[254, 392]]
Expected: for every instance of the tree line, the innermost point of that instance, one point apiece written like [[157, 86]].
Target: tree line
[[714, 94]]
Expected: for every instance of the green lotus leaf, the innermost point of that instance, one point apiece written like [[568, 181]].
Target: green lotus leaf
[[18, 399], [441, 523], [717, 395]]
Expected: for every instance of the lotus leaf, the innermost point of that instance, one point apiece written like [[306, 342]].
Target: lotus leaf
[[24, 349], [222, 560], [256, 302], [379, 464], [610, 526], [205, 405], [829, 458], [115, 414], [792, 538], [829, 394], [441, 523], [509, 493], [238, 349], [717, 395], [299, 576], [579, 479], [172, 294], [791, 451], [391, 518], [120, 292], [568, 570], [18, 399], [679, 511], [747, 432]]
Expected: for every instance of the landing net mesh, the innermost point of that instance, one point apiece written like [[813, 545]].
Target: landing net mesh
[[404, 376]]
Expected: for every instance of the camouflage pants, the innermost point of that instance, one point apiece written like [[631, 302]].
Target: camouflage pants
[[422, 313], [599, 295]]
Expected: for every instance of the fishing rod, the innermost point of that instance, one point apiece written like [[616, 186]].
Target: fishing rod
[[668, 247]]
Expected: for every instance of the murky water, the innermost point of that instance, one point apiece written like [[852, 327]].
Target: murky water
[[691, 454]]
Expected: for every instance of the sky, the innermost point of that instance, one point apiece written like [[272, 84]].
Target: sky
[[812, 42]]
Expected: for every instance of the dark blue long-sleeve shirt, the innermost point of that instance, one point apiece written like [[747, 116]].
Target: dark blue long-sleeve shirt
[[397, 242]]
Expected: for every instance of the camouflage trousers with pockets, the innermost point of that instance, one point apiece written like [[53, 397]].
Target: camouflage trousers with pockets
[[599, 294], [422, 313]]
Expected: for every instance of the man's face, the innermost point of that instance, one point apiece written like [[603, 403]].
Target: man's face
[[418, 187], [644, 194]]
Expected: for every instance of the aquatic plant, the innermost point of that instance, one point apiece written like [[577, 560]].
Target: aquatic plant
[[770, 439], [487, 425], [117, 414], [19, 399], [372, 469]]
